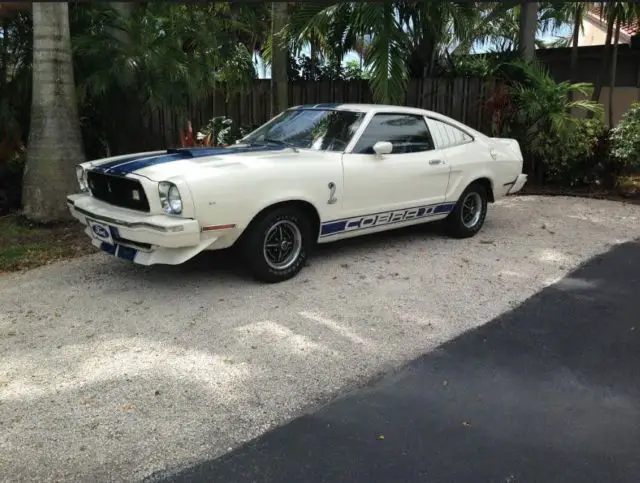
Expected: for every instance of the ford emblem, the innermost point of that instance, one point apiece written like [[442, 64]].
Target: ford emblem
[[100, 231]]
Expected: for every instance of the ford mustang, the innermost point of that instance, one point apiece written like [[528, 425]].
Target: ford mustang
[[313, 174]]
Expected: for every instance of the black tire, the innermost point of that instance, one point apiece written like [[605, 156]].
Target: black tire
[[455, 222], [255, 255]]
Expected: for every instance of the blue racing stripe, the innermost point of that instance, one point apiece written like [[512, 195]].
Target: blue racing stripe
[[106, 166], [136, 162]]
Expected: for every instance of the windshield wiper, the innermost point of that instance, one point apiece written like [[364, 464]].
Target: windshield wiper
[[284, 143]]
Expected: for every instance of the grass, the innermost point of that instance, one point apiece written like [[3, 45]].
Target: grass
[[24, 245]]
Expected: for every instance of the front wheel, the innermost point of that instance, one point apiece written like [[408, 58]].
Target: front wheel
[[470, 212], [276, 245]]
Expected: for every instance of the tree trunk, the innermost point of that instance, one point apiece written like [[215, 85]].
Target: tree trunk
[[5, 51], [597, 90], [279, 58], [573, 63], [528, 30], [614, 66], [125, 10], [55, 143], [313, 55]]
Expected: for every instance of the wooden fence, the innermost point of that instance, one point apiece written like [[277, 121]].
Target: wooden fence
[[462, 99]]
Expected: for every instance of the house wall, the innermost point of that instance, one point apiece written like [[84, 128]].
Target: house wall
[[595, 32], [627, 88], [623, 97], [592, 34]]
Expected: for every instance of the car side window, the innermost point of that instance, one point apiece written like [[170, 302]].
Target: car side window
[[407, 133], [447, 136]]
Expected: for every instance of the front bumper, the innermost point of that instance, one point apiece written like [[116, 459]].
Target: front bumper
[[141, 238], [517, 184]]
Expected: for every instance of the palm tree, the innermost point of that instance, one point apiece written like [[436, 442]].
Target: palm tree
[[279, 59], [173, 53], [55, 144], [124, 11], [577, 26], [610, 14], [404, 38], [528, 29], [624, 12]]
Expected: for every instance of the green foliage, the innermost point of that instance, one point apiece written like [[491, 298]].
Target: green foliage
[[462, 65], [225, 130], [221, 127], [16, 45], [625, 140], [558, 146], [353, 71], [303, 68], [540, 104], [402, 38], [170, 53], [570, 157]]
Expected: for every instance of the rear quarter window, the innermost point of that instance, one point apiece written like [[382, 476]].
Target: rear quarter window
[[445, 135]]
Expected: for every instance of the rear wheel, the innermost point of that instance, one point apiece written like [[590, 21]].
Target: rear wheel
[[275, 246], [470, 212]]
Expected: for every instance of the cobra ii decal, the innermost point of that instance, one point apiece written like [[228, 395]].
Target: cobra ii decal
[[397, 216]]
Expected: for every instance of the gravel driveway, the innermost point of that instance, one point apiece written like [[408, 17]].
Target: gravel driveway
[[111, 371]]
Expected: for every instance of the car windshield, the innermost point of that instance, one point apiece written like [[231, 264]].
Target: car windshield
[[319, 129]]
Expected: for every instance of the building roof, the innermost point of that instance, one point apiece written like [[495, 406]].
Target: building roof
[[628, 28]]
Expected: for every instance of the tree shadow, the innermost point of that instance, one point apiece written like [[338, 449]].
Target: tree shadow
[[547, 392]]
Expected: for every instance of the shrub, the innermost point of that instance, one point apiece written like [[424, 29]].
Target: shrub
[[226, 131], [533, 108], [625, 141], [223, 130], [572, 157]]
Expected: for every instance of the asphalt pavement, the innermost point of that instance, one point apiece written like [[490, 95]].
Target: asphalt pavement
[[549, 391]]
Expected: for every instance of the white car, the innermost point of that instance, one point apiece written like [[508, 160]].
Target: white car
[[314, 173]]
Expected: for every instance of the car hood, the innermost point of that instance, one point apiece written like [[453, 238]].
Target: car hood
[[163, 165]]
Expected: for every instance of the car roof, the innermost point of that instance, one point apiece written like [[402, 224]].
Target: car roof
[[367, 108]]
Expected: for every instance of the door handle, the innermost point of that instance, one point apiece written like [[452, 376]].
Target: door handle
[[433, 162]]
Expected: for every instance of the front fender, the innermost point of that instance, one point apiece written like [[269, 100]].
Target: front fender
[[267, 202]]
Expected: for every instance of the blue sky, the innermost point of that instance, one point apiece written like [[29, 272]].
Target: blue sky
[[563, 31]]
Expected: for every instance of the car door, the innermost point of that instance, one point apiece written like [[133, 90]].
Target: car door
[[413, 174], [454, 144]]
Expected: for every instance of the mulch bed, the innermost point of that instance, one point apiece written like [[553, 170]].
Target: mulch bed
[[24, 245], [600, 194]]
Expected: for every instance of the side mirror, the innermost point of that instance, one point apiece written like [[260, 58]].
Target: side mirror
[[382, 147]]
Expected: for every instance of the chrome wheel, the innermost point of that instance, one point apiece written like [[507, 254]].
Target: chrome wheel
[[282, 245], [471, 210]]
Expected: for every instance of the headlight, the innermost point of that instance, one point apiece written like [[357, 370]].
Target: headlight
[[81, 175], [170, 198]]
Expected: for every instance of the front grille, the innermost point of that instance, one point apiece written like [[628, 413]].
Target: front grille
[[118, 191]]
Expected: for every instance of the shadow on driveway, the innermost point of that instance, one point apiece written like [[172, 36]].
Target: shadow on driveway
[[547, 392]]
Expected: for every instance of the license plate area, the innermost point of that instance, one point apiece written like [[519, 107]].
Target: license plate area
[[100, 231]]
